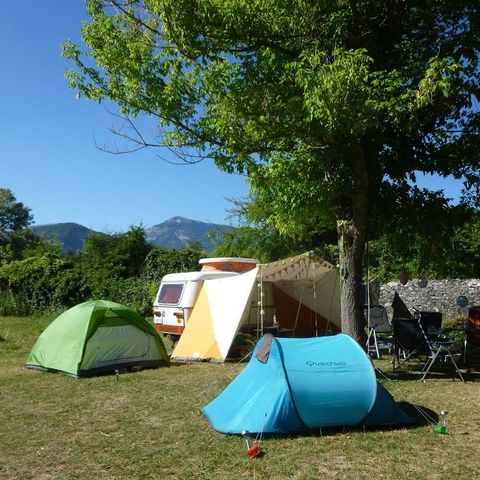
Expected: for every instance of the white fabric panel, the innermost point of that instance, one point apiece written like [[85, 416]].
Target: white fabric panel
[[323, 298], [296, 274], [229, 300]]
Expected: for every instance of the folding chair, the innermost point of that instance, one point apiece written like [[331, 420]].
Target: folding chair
[[408, 339], [378, 326], [439, 348]]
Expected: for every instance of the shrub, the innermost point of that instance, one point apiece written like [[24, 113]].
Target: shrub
[[28, 285], [159, 262], [7, 303], [72, 288], [132, 292]]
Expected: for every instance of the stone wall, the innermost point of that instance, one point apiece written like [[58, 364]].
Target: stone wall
[[437, 296]]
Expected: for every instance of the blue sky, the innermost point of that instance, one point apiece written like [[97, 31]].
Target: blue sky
[[48, 156]]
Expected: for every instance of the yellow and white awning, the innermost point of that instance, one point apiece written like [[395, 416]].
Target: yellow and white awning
[[302, 285], [216, 317]]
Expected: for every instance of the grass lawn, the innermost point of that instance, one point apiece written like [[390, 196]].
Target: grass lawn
[[148, 426]]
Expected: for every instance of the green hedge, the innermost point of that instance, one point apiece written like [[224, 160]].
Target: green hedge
[[49, 283]]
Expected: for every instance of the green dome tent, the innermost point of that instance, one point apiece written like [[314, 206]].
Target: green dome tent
[[95, 337]]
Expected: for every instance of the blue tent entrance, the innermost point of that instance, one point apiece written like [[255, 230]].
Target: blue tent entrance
[[297, 385]]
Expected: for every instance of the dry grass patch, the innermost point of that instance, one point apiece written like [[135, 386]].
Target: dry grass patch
[[148, 425]]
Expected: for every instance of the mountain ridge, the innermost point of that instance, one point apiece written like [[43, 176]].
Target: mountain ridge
[[174, 233], [70, 235], [177, 232]]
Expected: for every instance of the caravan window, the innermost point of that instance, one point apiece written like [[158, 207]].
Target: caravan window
[[170, 293]]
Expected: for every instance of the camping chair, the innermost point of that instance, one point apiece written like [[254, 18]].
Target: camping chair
[[408, 338], [378, 326], [439, 346]]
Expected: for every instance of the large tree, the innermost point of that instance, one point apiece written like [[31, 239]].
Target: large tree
[[16, 239], [14, 215], [115, 256], [330, 107]]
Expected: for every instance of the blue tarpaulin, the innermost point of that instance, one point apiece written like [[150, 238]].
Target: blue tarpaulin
[[298, 385]]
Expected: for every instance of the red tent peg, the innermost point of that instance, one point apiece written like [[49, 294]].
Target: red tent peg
[[254, 450]]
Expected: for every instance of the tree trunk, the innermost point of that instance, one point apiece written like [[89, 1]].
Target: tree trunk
[[352, 237], [351, 248]]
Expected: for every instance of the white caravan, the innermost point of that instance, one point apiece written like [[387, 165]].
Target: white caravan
[[178, 292]]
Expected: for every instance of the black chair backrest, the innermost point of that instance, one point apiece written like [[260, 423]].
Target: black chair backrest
[[400, 310], [408, 333], [430, 321]]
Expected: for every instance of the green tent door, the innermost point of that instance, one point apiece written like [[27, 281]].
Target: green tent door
[[117, 345]]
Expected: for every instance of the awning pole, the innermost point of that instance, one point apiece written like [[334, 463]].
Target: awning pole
[[262, 306], [301, 299]]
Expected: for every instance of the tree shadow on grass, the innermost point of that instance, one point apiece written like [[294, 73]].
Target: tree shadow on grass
[[440, 371], [422, 415]]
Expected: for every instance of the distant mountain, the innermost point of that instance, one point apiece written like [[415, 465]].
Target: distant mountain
[[177, 232], [70, 235]]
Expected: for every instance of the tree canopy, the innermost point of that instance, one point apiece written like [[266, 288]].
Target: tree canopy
[[117, 256], [17, 241], [14, 215], [329, 107]]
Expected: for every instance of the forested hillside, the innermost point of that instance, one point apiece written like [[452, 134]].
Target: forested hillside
[[176, 232], [35, 276]]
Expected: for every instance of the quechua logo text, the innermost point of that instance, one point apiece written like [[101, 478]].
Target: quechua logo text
[[328, 363]]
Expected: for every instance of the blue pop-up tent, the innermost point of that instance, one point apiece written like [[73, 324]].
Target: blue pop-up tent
[[298, 385]]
